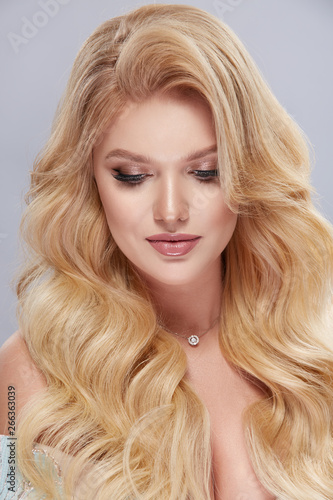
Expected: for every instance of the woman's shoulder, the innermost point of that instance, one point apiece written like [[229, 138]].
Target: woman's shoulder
[[20, 379]]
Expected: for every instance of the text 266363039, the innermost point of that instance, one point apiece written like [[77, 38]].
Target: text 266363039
[[11, 410]]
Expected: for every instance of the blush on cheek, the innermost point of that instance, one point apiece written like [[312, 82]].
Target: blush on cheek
[[228, 225], [220, 214]]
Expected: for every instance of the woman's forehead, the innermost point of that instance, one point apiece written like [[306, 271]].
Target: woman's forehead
[[162, 127]]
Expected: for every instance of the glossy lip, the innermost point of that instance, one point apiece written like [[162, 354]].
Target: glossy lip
[[173, 245]]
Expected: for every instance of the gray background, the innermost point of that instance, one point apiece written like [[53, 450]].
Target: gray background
[[291, 41]]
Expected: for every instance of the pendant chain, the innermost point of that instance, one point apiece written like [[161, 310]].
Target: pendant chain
[[193, 340]]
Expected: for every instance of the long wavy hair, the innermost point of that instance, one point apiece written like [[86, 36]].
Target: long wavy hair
[[117, 398]]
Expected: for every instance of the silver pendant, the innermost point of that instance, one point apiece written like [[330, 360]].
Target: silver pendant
[[193, 340]]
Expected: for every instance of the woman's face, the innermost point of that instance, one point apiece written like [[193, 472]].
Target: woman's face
[[155, 169]]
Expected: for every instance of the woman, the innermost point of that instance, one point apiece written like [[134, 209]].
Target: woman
[[174, 310]]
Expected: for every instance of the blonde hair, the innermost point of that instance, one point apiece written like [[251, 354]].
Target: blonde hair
[[118, 400]]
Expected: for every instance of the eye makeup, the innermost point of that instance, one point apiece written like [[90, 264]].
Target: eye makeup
[[130, 178], [201, 175], [201, 166], [206, 174]]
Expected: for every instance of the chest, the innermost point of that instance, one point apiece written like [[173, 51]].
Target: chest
[[226, 395]]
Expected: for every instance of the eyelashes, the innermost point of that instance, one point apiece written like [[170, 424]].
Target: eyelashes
[[130, 179], [206, 174], [201, 175]]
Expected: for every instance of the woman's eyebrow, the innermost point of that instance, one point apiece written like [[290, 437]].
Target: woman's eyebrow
[[137, 158], [202, 153], [127, 155]]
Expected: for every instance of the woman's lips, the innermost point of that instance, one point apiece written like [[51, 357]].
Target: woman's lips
[[173, 244]]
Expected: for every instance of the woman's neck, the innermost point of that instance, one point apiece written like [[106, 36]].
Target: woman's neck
[[190, 307]]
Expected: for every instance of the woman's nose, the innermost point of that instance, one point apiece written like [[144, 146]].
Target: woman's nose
[[171, 202]]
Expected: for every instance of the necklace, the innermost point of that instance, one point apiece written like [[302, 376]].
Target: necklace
[[193, 340]]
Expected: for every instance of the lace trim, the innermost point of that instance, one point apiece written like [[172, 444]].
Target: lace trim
[[24, 487]]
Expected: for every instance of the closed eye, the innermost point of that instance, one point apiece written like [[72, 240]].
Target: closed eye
[[206, 175], [129, 178]]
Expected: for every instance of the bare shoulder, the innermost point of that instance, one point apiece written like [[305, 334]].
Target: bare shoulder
[[19, 373]]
